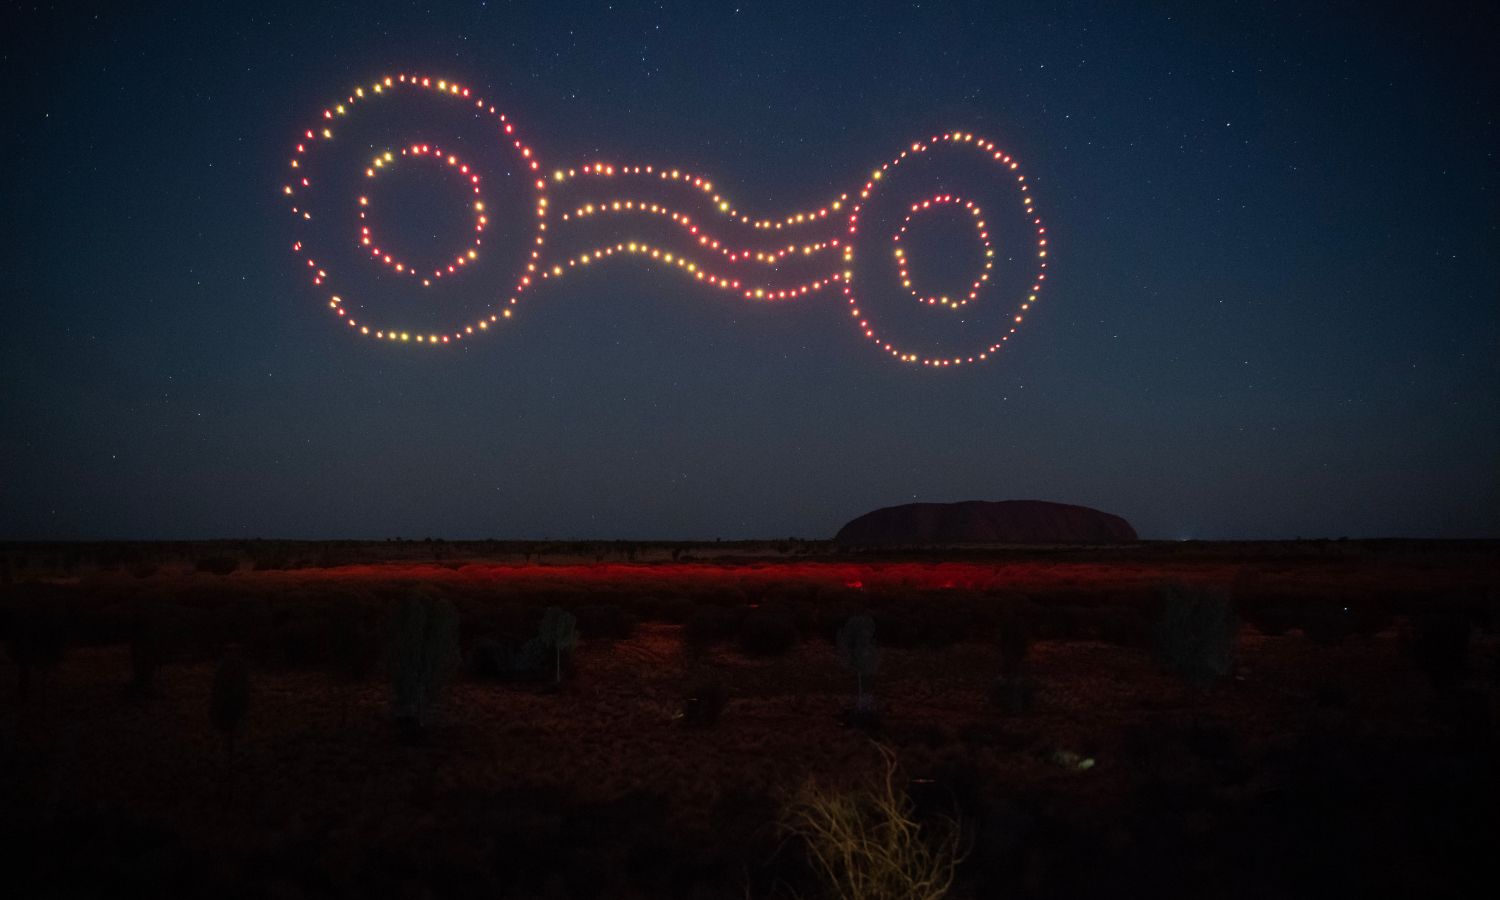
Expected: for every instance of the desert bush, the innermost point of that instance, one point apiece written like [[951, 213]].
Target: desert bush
[[1439, 644], [703, 702], [424, 655], [558, 634], [1194, 634], [856, 643], [229, 699], [765, 633], [607, 622], [866, 844]]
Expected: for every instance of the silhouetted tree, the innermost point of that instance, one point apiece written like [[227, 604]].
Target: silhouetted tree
[[856, 641], [559, 632], [1194, 635], [424, 656]]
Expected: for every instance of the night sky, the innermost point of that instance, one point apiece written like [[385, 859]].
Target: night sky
[[1272, 310]]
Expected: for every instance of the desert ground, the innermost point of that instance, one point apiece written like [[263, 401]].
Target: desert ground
[[1038, 703]]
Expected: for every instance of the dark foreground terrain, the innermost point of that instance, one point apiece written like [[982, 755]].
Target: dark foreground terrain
[[1088, 743]]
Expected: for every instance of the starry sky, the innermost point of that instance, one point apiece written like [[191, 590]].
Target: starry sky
[[1272, 310]]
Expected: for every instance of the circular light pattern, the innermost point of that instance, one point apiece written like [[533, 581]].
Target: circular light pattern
[[300, 189], [367, 237], [904, 273], [645, 193], [866, 324]]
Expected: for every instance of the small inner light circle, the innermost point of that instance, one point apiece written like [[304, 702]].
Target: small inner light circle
[[903, 268], [367, 237]]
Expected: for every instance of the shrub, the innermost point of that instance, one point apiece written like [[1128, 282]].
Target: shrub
[[423, 658], [230, 698], [856, 643], [558, 634], [765, 633], [1439, 644], [1194, 635], [866, 844]]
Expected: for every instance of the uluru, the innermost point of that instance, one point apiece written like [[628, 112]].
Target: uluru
[[986, 522]]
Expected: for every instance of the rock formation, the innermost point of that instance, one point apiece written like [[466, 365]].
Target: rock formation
[[986, 522]]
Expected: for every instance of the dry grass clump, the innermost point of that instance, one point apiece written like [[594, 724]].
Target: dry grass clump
[[866, 844]]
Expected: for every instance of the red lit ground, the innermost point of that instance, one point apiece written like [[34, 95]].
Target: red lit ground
[[1330, 754]]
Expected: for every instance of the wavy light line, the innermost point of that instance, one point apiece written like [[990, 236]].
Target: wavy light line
[[841, 216]]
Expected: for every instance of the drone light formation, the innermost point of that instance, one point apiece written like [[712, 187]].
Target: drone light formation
[[820, 242], [367, 237], [984, 240]]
